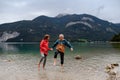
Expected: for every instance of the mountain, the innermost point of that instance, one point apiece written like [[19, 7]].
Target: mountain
[[73, 26], [118, 24]]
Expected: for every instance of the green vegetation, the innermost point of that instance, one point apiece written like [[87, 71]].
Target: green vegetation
[[116, 38]]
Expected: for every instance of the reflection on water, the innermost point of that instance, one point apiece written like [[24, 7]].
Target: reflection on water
[[8, 47], [116, 45], [24, 58], [19, 47]]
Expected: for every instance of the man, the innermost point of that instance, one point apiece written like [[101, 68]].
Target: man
[[60, 48]]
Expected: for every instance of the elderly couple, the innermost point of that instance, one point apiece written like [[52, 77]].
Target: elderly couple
[[60, 48]]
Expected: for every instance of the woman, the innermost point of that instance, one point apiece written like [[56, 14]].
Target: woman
[[44, 48]]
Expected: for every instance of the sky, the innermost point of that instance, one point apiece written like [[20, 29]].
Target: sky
[[16, 10]]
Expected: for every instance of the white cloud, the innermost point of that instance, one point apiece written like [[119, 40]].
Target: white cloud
[[13, 10]]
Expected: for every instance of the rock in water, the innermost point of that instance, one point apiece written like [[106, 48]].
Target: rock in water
[[77, 57], [115, 64], [7, 60]]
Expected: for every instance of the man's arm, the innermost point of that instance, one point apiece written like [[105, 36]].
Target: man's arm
[[55, 44], [68, 45]]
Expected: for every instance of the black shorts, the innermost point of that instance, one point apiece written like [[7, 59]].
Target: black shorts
[[61, 56]]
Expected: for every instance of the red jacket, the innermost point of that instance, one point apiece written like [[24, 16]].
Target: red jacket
[[44, 48]]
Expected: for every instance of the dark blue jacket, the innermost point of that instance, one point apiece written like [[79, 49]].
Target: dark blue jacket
[[65, 42]]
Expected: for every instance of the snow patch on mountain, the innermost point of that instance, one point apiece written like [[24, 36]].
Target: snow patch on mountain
[[5, 36], [61, 15], [87, 18], [110, 30], [79, 22]]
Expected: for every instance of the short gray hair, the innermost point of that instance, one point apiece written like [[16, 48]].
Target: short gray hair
[[61, 35]]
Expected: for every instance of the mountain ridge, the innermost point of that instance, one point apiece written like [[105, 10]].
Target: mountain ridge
[[74, 26]]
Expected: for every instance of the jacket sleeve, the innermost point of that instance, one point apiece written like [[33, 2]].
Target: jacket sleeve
[[41, 45], [55, 44], [68, 44], [48, 48]]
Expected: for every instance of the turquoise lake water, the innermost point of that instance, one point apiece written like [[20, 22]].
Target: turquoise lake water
[[18, 61]]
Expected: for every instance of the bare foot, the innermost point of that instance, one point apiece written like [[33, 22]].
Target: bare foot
[[38, 67], [44, 68], [54, 64], [62, 69]]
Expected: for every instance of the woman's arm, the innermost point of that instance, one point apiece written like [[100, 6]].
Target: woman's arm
[[42, 45]]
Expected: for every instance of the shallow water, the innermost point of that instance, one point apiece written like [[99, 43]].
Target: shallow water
[[18, 61]]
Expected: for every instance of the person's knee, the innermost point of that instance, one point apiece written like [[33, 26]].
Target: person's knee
[[55, 56]]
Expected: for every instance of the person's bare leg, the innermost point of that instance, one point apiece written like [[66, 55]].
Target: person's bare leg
[[62, 66], [55, 60], [40, 63], [44, 63]]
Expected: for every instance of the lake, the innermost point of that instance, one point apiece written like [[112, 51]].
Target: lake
[[18, 61]]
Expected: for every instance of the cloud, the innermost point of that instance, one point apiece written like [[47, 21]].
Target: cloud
[[100, 9], [14, 10]]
